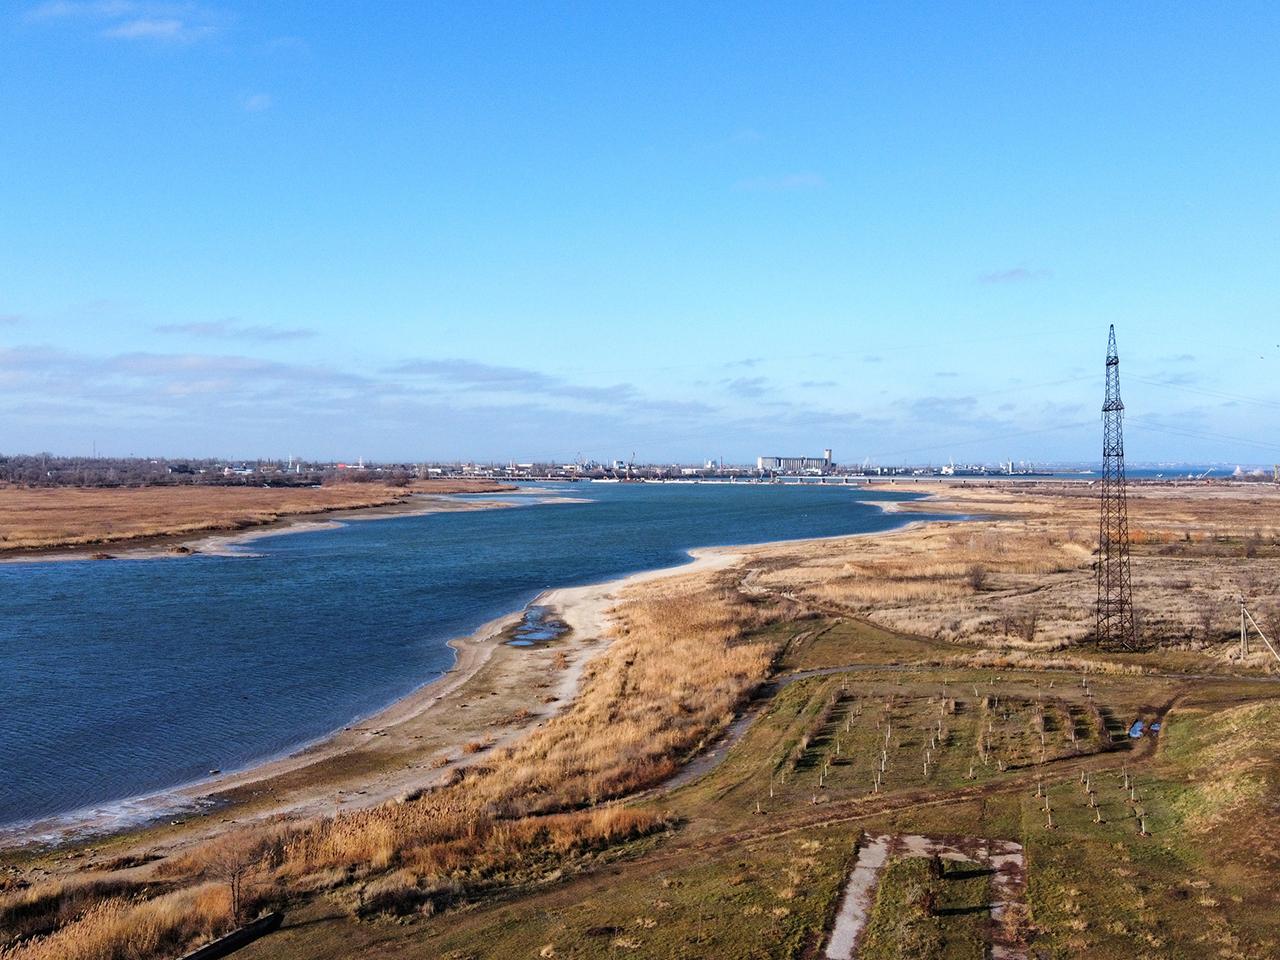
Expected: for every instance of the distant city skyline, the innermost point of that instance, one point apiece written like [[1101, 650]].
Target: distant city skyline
[[441, 232]]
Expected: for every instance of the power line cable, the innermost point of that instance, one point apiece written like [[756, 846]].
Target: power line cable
[[994, 438], [1219, 394], [1216, 437]]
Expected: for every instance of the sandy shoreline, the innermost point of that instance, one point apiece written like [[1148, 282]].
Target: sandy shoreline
[[390, 753], [227, 542], [412, 744]]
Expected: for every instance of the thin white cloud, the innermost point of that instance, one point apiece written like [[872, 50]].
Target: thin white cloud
[[1014, 275], [147, 28], [234, 330], [257, 102], [466, 408], [747, 386], [140, 20], [134, 373], [787, 183], [472, 375], [69, 9], [233, 402]]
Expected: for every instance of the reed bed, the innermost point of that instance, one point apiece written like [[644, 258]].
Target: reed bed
[[29, 911], [673, 677], [127, 929], [1020, 577], [681, 661]]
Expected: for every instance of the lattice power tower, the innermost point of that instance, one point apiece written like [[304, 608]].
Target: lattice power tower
[[1116, 626]]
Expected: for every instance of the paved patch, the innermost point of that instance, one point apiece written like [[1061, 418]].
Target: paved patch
[[856, 905], [1003, 857]]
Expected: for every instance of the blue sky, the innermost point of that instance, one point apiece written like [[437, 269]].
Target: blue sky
[[429, 230]]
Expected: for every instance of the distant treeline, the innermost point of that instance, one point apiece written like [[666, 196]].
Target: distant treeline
[[47, 470]]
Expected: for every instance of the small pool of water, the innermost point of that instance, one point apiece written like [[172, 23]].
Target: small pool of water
[[537, 626]]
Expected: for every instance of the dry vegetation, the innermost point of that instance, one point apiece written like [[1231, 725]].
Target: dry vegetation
[[679, 667], [123, 929], [49, 517], [1023, 579], [685, 655]]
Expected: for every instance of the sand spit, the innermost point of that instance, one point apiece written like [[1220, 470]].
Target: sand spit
[[412, 745], [232, 544]]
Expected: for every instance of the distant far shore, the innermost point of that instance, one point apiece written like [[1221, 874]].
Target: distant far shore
[[50, 523]]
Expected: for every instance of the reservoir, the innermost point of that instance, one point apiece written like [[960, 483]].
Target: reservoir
[[124, 678]]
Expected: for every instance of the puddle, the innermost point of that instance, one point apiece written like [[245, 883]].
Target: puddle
[[537, 625]]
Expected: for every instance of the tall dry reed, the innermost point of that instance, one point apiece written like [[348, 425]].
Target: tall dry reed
[[680, 663]]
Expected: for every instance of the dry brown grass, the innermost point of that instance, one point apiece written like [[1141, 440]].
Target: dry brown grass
[[1021, 660], [1195, 549], [674, 675], [680, 664], [34, 909], [121, 929], [46, 517]]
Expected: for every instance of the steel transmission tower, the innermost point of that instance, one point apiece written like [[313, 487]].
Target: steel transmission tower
[[1115, 595]]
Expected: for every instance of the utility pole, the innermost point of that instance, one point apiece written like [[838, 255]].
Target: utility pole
[[1115, 624], [1244, 633]]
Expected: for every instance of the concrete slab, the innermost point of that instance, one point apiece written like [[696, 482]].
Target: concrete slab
[[1003, 857]]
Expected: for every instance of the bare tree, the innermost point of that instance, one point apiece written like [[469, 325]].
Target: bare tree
[[1268, 618], [1027, 628], [1252, 543], [1205, 618], [231, 863], [976, 577]]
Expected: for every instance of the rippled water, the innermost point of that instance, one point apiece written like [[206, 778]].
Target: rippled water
[[122, 678]]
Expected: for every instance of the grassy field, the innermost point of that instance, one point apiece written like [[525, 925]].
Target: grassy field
[[43, 518], [1020, 575], [575, 842], [726, 880], [927, 912]]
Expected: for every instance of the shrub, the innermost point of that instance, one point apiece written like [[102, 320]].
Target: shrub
[[976, 577]]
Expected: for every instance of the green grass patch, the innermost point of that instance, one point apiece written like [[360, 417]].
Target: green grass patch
[[847, 642], [929, 910], [1103, 890], [768, 901]]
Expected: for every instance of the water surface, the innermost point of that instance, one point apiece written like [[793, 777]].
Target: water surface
[[127, 677]]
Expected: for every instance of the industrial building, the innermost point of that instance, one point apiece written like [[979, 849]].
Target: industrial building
[[796, 464]]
